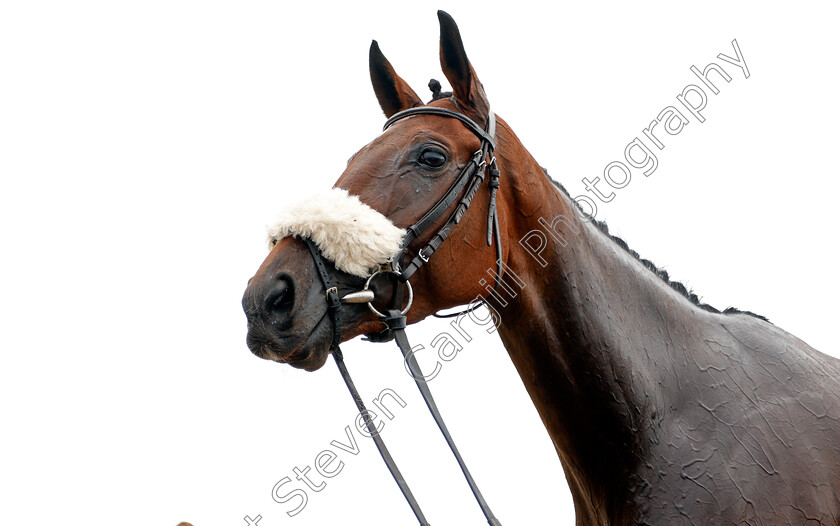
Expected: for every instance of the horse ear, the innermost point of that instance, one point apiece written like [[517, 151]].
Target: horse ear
[[394, 94], [466, 88]]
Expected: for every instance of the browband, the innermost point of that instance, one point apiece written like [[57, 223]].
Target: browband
[[489, 135]]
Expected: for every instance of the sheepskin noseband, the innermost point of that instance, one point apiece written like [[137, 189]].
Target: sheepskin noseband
[[354, 236]]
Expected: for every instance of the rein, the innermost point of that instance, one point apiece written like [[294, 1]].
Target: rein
[[466, 185]]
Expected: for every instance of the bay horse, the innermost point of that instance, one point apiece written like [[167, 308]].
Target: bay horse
[[662, 410]]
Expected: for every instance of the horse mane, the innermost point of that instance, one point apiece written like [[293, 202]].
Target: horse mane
[[648, 264], [435, 88]]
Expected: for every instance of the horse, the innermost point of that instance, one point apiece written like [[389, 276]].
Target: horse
[[662, 409]]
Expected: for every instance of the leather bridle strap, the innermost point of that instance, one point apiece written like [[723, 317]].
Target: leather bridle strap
[[396, 322], [471, 177], [468, 182], [334, 311], [488, 135], [380, 445], [333, 300]]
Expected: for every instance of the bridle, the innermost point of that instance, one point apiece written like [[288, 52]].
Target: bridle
[[471, 177], [465, 185]]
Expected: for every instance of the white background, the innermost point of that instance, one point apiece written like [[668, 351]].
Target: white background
[[144, 146]]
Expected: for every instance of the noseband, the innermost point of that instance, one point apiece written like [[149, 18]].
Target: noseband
[[466, 185]]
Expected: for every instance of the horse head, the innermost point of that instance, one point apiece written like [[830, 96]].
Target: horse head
[[360, 224]]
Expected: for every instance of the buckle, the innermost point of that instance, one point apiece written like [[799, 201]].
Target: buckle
[[333, 290], [422, 256]]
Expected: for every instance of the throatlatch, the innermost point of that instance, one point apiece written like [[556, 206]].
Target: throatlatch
[[466, 185]]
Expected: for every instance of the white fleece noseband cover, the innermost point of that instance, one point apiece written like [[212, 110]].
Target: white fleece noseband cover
[[354, 236]]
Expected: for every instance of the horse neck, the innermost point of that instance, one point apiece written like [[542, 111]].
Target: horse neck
[[580, 331]]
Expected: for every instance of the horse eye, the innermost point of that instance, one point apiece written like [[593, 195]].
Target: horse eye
[[433, 158]]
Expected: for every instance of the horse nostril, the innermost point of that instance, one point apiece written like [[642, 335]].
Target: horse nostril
[[281, 298]]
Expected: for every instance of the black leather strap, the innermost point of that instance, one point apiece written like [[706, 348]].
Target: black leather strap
[[488, 135], [446, 201], [396, 323], [492, 218], [471, 177], [334, 311], [466, 185], [333, 300], [380, 445]]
